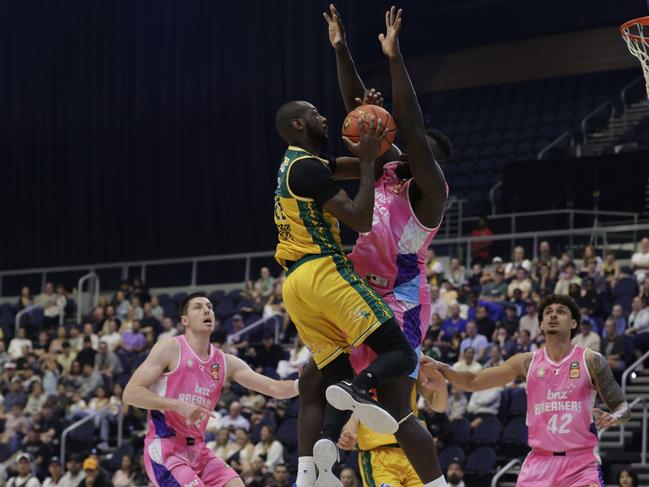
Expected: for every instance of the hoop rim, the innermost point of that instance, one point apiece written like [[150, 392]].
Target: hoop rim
[[625, 26]]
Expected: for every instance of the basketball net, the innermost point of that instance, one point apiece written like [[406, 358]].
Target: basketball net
[[637, 40]]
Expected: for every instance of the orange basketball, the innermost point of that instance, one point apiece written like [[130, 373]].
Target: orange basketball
[[364, 113]]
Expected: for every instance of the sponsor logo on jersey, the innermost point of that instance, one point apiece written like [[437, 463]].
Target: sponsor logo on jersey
[[574, 370], [190, 363], [540, 372], [215, 371]]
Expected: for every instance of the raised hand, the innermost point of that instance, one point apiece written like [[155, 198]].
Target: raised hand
[[390, 40], [367, 148], [370, 97], [336, 28]]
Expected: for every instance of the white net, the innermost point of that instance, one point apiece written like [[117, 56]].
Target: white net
[[638, 42]]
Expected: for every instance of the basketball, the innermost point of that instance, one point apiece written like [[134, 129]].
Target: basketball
[[364, 113]]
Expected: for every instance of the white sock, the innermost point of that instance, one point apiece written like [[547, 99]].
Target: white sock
[[305, 472], [438, 482]]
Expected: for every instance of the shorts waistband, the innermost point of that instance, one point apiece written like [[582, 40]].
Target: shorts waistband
[[569, 453], [187, 440]]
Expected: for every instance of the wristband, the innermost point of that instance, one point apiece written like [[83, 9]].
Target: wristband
[[296, 386]]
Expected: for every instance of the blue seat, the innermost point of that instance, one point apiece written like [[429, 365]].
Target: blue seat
[[224, 309], [514, 440], [216, 296], [178, 298], [488, 432], [170, 309], [461, 432], [450, 454], [163, 298], [517, 403], [287, 434], [479, 466]]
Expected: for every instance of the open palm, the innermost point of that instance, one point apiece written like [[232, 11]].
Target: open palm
[[390, 40], [335, 27]]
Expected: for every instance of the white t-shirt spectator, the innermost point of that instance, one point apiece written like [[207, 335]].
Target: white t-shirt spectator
[[485, 402], [69, 480], [274, 453], [592, 341], [16, 347], [478, 342], [23, 482], [640, 261], [112, 340], [238, 422], [462, 366], [531, 324]]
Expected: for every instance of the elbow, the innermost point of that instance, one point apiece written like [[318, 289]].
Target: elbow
[[127, 395]]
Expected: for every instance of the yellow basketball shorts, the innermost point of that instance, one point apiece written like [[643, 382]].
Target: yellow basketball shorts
[[331, 306], [387, 466]]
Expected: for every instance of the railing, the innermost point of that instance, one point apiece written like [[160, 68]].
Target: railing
[[73, 426], [629, 370], [626, 89], [30, 308], [492, 196], [278, 323], [95, 286], [572, 213], [587, 118], [503, 471], [570, 232], [554, 143]]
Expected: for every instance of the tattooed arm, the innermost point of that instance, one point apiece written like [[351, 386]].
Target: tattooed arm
[[609, 391]]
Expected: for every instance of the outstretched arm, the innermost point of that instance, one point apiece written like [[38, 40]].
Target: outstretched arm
[[350, 83], [241, 372], [609, 391], [515, 367], [352, 89], [427, 174]]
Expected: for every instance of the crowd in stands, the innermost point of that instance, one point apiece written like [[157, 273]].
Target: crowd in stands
[[54, 374]]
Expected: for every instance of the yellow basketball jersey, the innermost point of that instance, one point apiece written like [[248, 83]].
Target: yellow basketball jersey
[[369, 440], [303, 227]]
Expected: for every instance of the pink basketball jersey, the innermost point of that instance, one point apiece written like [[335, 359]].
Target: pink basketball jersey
[[560, 400], [392, 255], [193, 381]]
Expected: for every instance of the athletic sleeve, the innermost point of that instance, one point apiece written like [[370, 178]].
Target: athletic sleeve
[[310, 178]]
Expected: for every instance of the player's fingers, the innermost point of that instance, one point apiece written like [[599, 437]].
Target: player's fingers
[[358, 101], [392, 14], [350, 145], [372, 126], [397, 26], [381, 38], [326, 17]]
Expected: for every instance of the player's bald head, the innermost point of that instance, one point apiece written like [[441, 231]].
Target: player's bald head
[[288, 112]]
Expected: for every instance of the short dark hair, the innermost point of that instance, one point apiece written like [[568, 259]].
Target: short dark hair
[[565, 301], [185, 304], [443, 142]]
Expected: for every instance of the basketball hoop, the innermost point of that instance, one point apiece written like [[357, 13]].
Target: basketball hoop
[[636, 34]]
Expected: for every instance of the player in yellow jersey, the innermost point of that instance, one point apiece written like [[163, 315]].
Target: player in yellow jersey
[[332, 307], [381, 459]]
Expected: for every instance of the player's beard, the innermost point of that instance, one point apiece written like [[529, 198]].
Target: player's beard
[[317, 134]]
